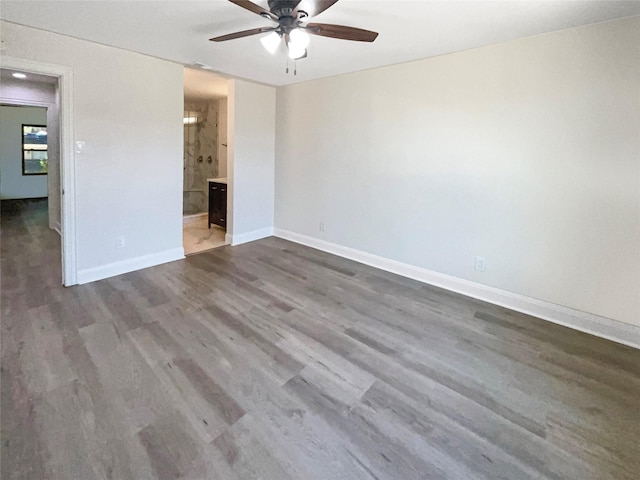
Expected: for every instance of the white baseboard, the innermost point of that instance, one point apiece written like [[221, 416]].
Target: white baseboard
[[604, 327], [240, 238], [130, 265]]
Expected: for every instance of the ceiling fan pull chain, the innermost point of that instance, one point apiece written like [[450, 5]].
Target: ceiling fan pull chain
[[295, 67]]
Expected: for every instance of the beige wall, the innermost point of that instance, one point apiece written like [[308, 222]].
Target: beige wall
[[526, 153]]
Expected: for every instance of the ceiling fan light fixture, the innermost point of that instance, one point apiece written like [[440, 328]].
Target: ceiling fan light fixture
[[271, 42], [299, 38], [296, 52]]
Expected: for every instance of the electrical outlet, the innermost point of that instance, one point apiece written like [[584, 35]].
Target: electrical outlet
[[120, 242], [323, 226], [481, 264]]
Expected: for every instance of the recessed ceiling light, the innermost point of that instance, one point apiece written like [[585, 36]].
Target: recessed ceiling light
[[21, 76]]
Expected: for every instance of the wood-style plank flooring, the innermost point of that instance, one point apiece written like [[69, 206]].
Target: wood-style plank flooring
[[274, 361]]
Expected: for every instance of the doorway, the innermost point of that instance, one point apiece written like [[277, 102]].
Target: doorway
[[204, 160], [61, 185], [30, 148]]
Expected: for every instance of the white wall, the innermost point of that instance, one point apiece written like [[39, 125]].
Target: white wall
[[12, 183], [526, 153], [128, 109], [251, 152]]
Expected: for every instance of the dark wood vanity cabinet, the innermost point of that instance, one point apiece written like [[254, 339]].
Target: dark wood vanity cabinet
[[218, 204]]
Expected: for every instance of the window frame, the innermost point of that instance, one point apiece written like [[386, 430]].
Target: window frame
[[26, 174]]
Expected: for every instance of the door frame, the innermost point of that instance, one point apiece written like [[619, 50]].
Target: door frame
[[67, 158]]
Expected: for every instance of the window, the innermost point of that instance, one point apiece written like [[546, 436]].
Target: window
[[34, 150]]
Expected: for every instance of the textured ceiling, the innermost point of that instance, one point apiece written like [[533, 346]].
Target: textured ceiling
[[409, 30]]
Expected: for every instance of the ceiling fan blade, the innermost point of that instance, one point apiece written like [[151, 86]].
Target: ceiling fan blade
[[341, 32], [252, 7], [244, 33], [313, 7]]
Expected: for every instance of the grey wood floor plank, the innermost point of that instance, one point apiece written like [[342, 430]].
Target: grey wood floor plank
[[459, 409], [384, 455], [205, 418], [428, 432], [45, 366], [307, 446], [172, 452], [247, 456], [23, 454], [253, 341], [275, 361]]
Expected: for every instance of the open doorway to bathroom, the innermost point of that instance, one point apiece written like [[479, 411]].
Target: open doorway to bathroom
[[205, 160]]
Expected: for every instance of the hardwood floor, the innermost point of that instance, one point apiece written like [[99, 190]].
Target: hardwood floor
[[275, 361]]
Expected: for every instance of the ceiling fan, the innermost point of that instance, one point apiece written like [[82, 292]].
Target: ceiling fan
[[291, 17]]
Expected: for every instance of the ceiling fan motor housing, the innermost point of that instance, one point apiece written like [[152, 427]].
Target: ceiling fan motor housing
[[283, 8]]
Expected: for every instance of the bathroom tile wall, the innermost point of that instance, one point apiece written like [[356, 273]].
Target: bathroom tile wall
[[200, 153]]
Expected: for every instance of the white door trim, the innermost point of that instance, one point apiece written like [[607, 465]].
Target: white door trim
[[67, 157]]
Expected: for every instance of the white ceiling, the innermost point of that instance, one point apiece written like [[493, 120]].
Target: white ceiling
[[409, 30]]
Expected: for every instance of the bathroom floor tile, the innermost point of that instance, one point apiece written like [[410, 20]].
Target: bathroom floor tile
[[197, 237]]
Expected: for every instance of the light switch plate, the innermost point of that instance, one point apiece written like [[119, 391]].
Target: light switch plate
[[79, 146]]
